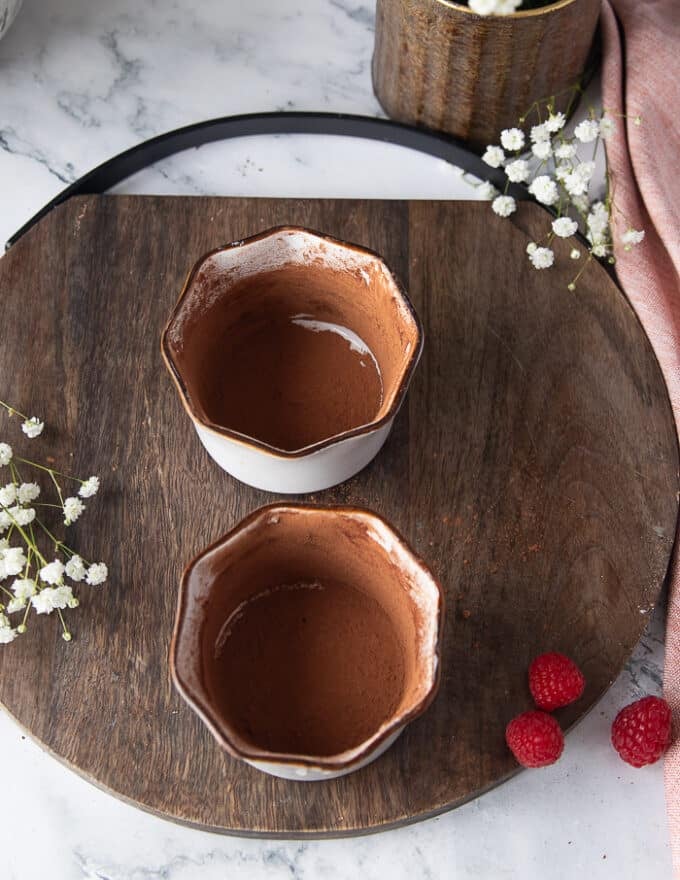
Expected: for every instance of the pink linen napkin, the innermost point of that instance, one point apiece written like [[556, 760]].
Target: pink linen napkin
[[641, 77]]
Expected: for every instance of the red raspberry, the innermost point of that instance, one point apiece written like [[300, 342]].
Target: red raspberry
[[535, 739], [554, 681], [641, 732]]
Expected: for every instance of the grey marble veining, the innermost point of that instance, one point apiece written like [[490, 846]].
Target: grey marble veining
[[81, 80]]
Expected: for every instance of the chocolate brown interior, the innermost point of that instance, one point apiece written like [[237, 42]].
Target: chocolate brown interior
[[308, 635], [278, 378], [249, 368], [311, 668]]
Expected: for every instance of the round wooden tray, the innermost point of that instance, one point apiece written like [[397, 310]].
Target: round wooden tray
[[534, 465]]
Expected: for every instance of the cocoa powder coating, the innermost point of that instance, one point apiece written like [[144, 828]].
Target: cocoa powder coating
[[279, 379], [296, 354], [311, 669], [310, 637]]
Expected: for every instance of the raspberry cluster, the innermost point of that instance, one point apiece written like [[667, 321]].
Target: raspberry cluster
[[641, 732]]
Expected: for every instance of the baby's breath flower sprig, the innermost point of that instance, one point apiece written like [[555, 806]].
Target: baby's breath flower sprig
[[32, 427], [494, 7], [550, 164], [39, 582], [502, 7]]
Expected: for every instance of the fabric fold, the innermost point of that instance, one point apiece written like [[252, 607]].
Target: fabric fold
[[641, 42]]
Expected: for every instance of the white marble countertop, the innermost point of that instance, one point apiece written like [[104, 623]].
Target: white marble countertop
[[79, 82]]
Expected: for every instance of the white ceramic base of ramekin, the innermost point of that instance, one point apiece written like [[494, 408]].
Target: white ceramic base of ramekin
[[302, 773], [298, 474]]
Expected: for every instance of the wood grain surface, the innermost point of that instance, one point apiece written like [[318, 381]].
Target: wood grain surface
[[534, 465]]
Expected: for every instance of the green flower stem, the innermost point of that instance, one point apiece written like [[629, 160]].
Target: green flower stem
[[59, 546], [576, 90], [560, 207], [57, 543], [12, 410], [30, 543], [14, 472], [66, 633], [22, 625], [50, 470], [596, 145], [572, 91], [58, 488], [581, 270]]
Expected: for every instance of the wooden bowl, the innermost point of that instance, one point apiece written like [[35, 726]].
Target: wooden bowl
[[440, 65]]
